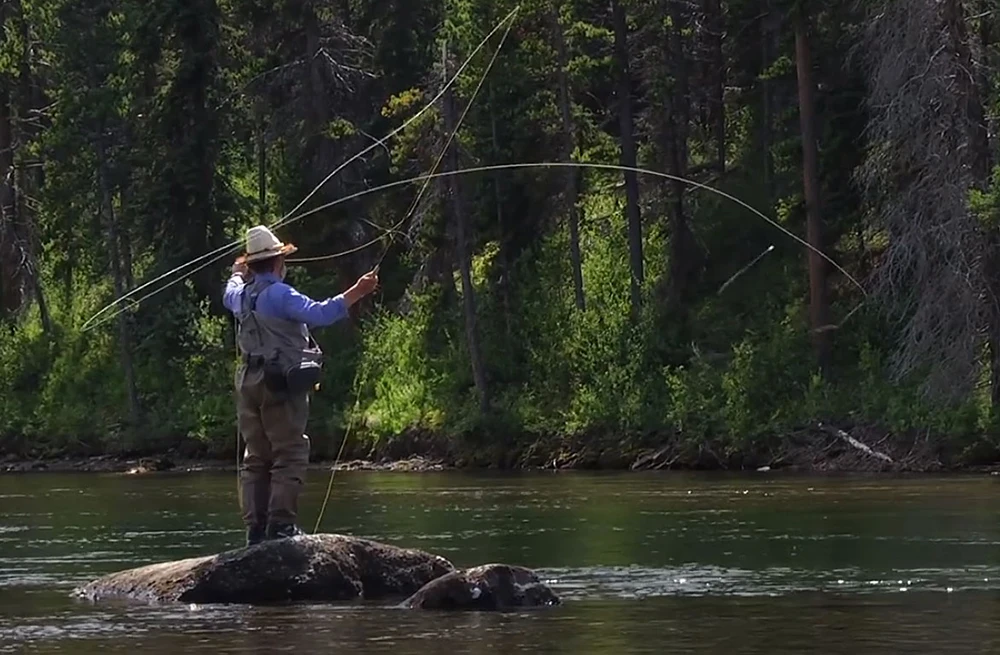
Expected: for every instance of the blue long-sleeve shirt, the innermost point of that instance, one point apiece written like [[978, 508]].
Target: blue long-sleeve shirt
[[282, 301]]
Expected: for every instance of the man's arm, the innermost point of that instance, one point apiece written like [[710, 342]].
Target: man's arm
[[231, 296], [303, 309], [234, 287]]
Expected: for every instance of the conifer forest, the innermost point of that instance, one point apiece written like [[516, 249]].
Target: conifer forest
[[705, 233]]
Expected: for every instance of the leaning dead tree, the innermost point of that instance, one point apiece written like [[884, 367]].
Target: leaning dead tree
[[17, 271], [926, 150]]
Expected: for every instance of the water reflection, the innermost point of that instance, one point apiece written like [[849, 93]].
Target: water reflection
[[800, 624], [646, 563]]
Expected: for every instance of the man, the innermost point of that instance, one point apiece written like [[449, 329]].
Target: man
[[279, 366]]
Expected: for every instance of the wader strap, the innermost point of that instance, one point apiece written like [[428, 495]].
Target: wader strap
[[255, 295], [253, 362]]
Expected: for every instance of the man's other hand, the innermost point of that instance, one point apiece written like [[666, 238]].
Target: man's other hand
[[240, 268], [368, 282]]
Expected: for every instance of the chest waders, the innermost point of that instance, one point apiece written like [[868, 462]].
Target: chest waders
[[281, 365]]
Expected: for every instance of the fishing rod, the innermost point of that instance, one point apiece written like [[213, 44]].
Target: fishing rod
[[234, 246]]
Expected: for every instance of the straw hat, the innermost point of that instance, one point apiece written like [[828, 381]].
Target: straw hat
[[262, 244]]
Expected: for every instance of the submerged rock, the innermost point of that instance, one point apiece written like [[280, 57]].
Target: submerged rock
[[320, 567], [489, 587]]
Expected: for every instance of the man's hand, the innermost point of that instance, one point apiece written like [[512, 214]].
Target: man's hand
[[240, 268], [364, 286], [368, 282]]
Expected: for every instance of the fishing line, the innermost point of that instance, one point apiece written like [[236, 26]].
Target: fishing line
[[362, 377], [231, 247], [234, 245], [412, 119], [423, 189], [582, 165], [526, 165], [385, 251], [239, 433], [287, 220], [746, 268]]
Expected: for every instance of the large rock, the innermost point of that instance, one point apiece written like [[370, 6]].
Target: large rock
[[307, 568], [489, 587]]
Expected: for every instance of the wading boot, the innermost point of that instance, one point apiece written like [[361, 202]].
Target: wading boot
[[255, 535], [283, 531]]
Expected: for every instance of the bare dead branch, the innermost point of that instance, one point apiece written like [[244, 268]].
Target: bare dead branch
[[920, 167]]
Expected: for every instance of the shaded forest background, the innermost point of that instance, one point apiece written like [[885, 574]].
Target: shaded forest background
[[525, 315]]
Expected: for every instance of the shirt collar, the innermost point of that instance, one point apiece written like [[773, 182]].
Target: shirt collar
[[267, 277]]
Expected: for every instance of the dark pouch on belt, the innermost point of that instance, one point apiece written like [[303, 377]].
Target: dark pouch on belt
[[300, 377]]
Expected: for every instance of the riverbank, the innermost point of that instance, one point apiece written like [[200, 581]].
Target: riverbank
[[818, 448], [165, 464]]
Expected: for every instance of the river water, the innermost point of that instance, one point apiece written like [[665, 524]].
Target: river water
[[645, 563]]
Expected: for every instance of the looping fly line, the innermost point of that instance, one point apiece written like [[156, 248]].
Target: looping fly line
[[390, 233], [427, 178], [430, 104], [586, 165], [580, 165], [234, 246], [423, 189]]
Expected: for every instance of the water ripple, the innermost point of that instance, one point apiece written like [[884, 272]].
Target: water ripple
[[636, 582]]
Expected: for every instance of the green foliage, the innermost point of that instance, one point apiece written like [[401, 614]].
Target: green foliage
[[181, 124], [569, 372], [400, 374], [60, 391]]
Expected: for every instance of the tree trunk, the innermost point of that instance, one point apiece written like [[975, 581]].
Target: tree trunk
[[818, 301], [572, 196], [628, 152], [317, 104], [984, 79], [992, 273], [33, 92], [11, 289], [682, 244], [193, 125], [505, 281], [125, 237], [30, 247], [261, 165], [992, 270], [26, 218], [717, 64], [955, 22], [464, 258], [767, 36], [43, 306], [974, 89], [118, 280]]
